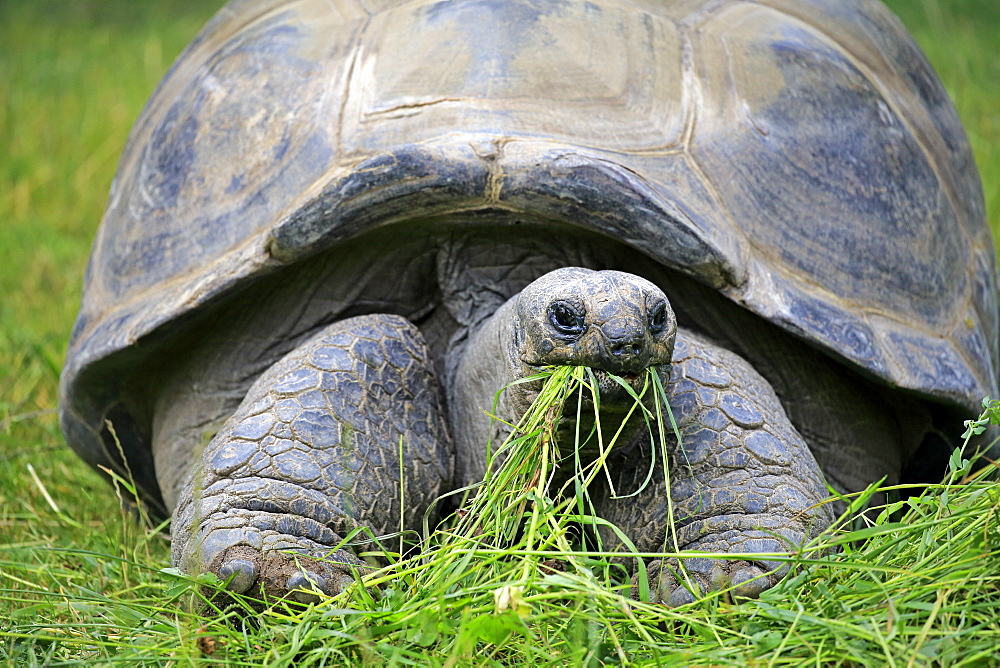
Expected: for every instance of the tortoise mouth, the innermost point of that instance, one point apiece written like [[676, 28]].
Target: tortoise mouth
[[610, 389], [617, 397]]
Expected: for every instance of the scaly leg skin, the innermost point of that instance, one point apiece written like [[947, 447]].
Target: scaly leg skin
[[743, 482], [312, 453]]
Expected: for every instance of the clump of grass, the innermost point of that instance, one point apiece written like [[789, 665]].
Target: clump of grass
[[507, 583]]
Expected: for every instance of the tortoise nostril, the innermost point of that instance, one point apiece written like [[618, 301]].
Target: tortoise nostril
[[625, 349], [624, 357], [623, 345]]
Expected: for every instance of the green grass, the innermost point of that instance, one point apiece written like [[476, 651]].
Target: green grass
[[508, 582], [79, 580]]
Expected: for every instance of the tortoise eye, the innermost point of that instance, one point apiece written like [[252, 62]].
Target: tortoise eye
[[658, 318], [566, 319]]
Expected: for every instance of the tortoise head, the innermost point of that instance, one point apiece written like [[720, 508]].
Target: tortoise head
[[613, 322]]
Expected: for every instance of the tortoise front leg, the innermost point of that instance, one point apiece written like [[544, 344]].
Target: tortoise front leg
[[743, 480], [313, 453]]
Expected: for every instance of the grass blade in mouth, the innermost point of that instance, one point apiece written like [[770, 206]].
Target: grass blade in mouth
[[517, 518]]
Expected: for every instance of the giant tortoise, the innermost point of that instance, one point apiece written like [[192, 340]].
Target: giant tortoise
[[339, 228]]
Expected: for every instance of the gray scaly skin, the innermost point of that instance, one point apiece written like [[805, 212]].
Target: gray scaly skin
[[313, 452]]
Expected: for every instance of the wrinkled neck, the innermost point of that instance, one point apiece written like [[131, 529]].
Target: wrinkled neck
[[485, 360]]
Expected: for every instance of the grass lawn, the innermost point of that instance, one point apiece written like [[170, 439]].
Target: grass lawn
[[81, 581]]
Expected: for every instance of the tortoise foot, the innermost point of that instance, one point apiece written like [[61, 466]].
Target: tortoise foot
[[743, 578], [270, 554], [297, 576], [741, 481], [753, 569]]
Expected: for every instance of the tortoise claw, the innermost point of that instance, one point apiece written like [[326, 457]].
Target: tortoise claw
[[749, 582], [305, 586], [680, 596], [744, 579], [240, 573]]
